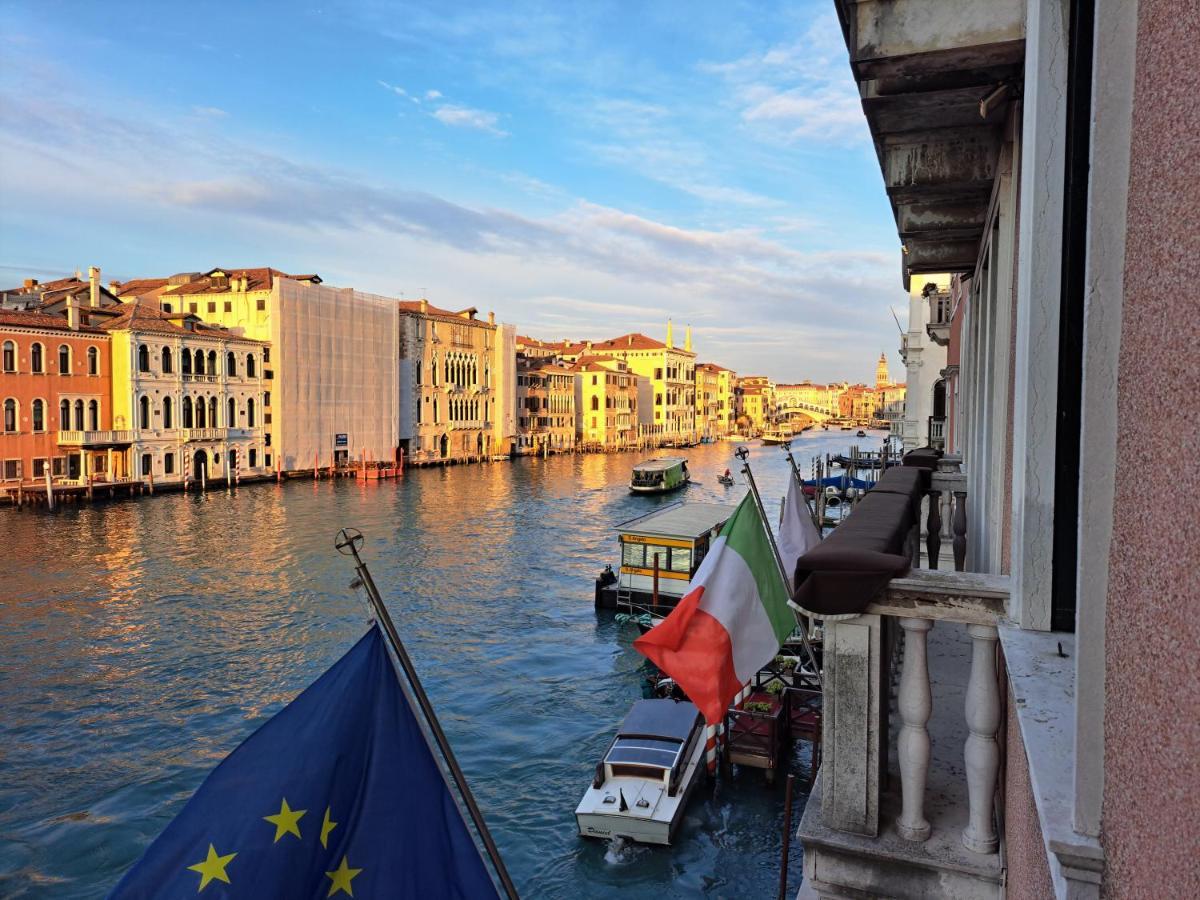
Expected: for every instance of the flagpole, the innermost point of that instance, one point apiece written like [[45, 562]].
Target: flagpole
[[347, 543], [743, 454]]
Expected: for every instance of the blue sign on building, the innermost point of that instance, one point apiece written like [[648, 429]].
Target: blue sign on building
[[341, 440]]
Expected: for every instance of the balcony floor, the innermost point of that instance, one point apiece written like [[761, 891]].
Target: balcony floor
[[889, 866]]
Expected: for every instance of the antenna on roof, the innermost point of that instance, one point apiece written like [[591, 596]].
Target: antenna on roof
[[896, 317]]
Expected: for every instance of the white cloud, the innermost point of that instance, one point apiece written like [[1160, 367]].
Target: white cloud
[[466, 117], [209, 112], [433, 95]]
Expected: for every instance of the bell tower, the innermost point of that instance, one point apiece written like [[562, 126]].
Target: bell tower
[[881, 372]]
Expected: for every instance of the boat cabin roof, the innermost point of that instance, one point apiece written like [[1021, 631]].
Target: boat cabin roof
[[680, 520], [660, 719], [661, 463]]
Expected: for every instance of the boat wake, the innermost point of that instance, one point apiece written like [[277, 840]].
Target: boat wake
[[621, 851]]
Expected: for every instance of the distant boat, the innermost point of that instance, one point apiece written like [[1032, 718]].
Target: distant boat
[[660, 475], [861, 433], [776, 437]]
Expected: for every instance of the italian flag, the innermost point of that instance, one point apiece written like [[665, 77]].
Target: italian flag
[[731, 623]]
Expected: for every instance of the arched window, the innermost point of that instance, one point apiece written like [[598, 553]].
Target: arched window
[[185, 362], [212, 362], [94, 415], [64, 360], [250, 413], [10, 356], [79, 415], [231, 413], [166, 360], [37, 357], [93, 356], [39, 415], [435, 414], [143, 358], [187, 409], [250, 365], [212, 412], [64, 415], [166, 411], [144, 412], [231, 364], [198, 362], [595, 403], [201, 413], [433, 373], [253, 458], [10, 414]]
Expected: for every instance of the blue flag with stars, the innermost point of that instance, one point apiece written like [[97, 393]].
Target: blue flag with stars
[[338, 794]]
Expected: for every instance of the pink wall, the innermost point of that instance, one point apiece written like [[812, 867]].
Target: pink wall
[[1025, 854], [1152, 715]]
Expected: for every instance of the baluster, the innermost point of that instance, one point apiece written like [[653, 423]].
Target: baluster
[[913, 744], [933, 528], [982, 754], [960, 530]]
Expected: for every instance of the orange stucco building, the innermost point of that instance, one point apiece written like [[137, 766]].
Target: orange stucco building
[[55, 399]]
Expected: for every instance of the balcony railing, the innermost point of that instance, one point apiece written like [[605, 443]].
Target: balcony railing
[[204, 434], [937, 432], [94, 438], [940, 312], [937, 837]]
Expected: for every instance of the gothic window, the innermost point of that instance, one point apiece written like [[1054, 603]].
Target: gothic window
[[94, 415], [39, 415], [144, 413], [10, 415], [187, 409], [166, 360], [166, 413], [37, 361], [79, 415], [10, 356], [64, 360], [143, 358], [231, 364]]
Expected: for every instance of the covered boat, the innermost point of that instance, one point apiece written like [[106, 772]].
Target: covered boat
[[660, 552], [659, 475], [649, 771]]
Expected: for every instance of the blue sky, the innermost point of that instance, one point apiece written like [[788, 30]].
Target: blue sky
[[583, 170]]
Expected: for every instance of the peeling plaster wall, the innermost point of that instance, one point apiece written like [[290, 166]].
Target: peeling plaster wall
[[1151, 722]]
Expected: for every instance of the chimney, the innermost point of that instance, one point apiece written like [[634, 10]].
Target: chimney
[[114, 286], [93, 286], [31, 283], [629, 340], [72, 313], [424, 305], [491, 318]]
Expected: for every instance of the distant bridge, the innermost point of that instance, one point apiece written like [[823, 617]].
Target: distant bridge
[[816, 413]]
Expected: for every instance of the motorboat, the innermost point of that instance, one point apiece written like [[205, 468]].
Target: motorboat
[[776, 437], [642, 785], [660, 553], [660, 475], [860, 433]]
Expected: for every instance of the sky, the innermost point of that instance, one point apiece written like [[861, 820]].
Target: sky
[[584, 170]]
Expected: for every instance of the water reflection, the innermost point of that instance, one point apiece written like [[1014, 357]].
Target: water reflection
[[140, 641]]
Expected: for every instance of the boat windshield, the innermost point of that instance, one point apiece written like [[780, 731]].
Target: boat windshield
[[644, 752]]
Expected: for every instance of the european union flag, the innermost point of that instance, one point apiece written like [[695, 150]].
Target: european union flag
[[339, 793]]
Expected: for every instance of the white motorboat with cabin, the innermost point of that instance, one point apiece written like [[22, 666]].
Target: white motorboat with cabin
[[660, 475], [649, 771], [660, 552]]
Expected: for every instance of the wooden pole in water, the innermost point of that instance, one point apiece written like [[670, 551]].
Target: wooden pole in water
[[787, 835], [347, 543], [316, 466], [654, 592], [49, 489]]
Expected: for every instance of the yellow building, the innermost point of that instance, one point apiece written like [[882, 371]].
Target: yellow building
[[461, 382], [666, 383], [754, 416], [606, 397], [708, 418], [545, 406], [726, 400], [192, 396]]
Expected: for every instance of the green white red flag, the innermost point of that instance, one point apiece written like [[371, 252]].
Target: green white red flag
[[731, 623]]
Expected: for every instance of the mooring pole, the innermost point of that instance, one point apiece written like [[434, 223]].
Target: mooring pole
[[743, 454], [787, 835], [347, 542]]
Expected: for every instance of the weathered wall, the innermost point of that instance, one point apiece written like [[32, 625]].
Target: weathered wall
[[1025, 852], [1151, 727]]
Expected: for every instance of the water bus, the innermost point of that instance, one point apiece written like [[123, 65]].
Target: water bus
[[776, 437], [660, 475], [660, 552], [649, 771]]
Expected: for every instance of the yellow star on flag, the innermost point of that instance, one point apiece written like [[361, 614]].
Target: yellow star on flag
[[286, 821], [213, 867], [326, 827], [342, 876]]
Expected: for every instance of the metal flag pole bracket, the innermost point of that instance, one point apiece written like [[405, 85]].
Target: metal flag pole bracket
[[743, 454], [348, 542]]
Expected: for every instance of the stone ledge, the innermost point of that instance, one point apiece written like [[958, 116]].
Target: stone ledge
[[1043, 688]]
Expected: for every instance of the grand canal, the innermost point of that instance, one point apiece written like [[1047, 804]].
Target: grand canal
[[141, 641]]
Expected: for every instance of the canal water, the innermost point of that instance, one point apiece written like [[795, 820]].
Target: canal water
[[142, 640]]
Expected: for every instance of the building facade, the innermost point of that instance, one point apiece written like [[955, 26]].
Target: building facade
[[710, 419], [56, 400], [546, 416], [191, 397], [666, 381], [606, 397]]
